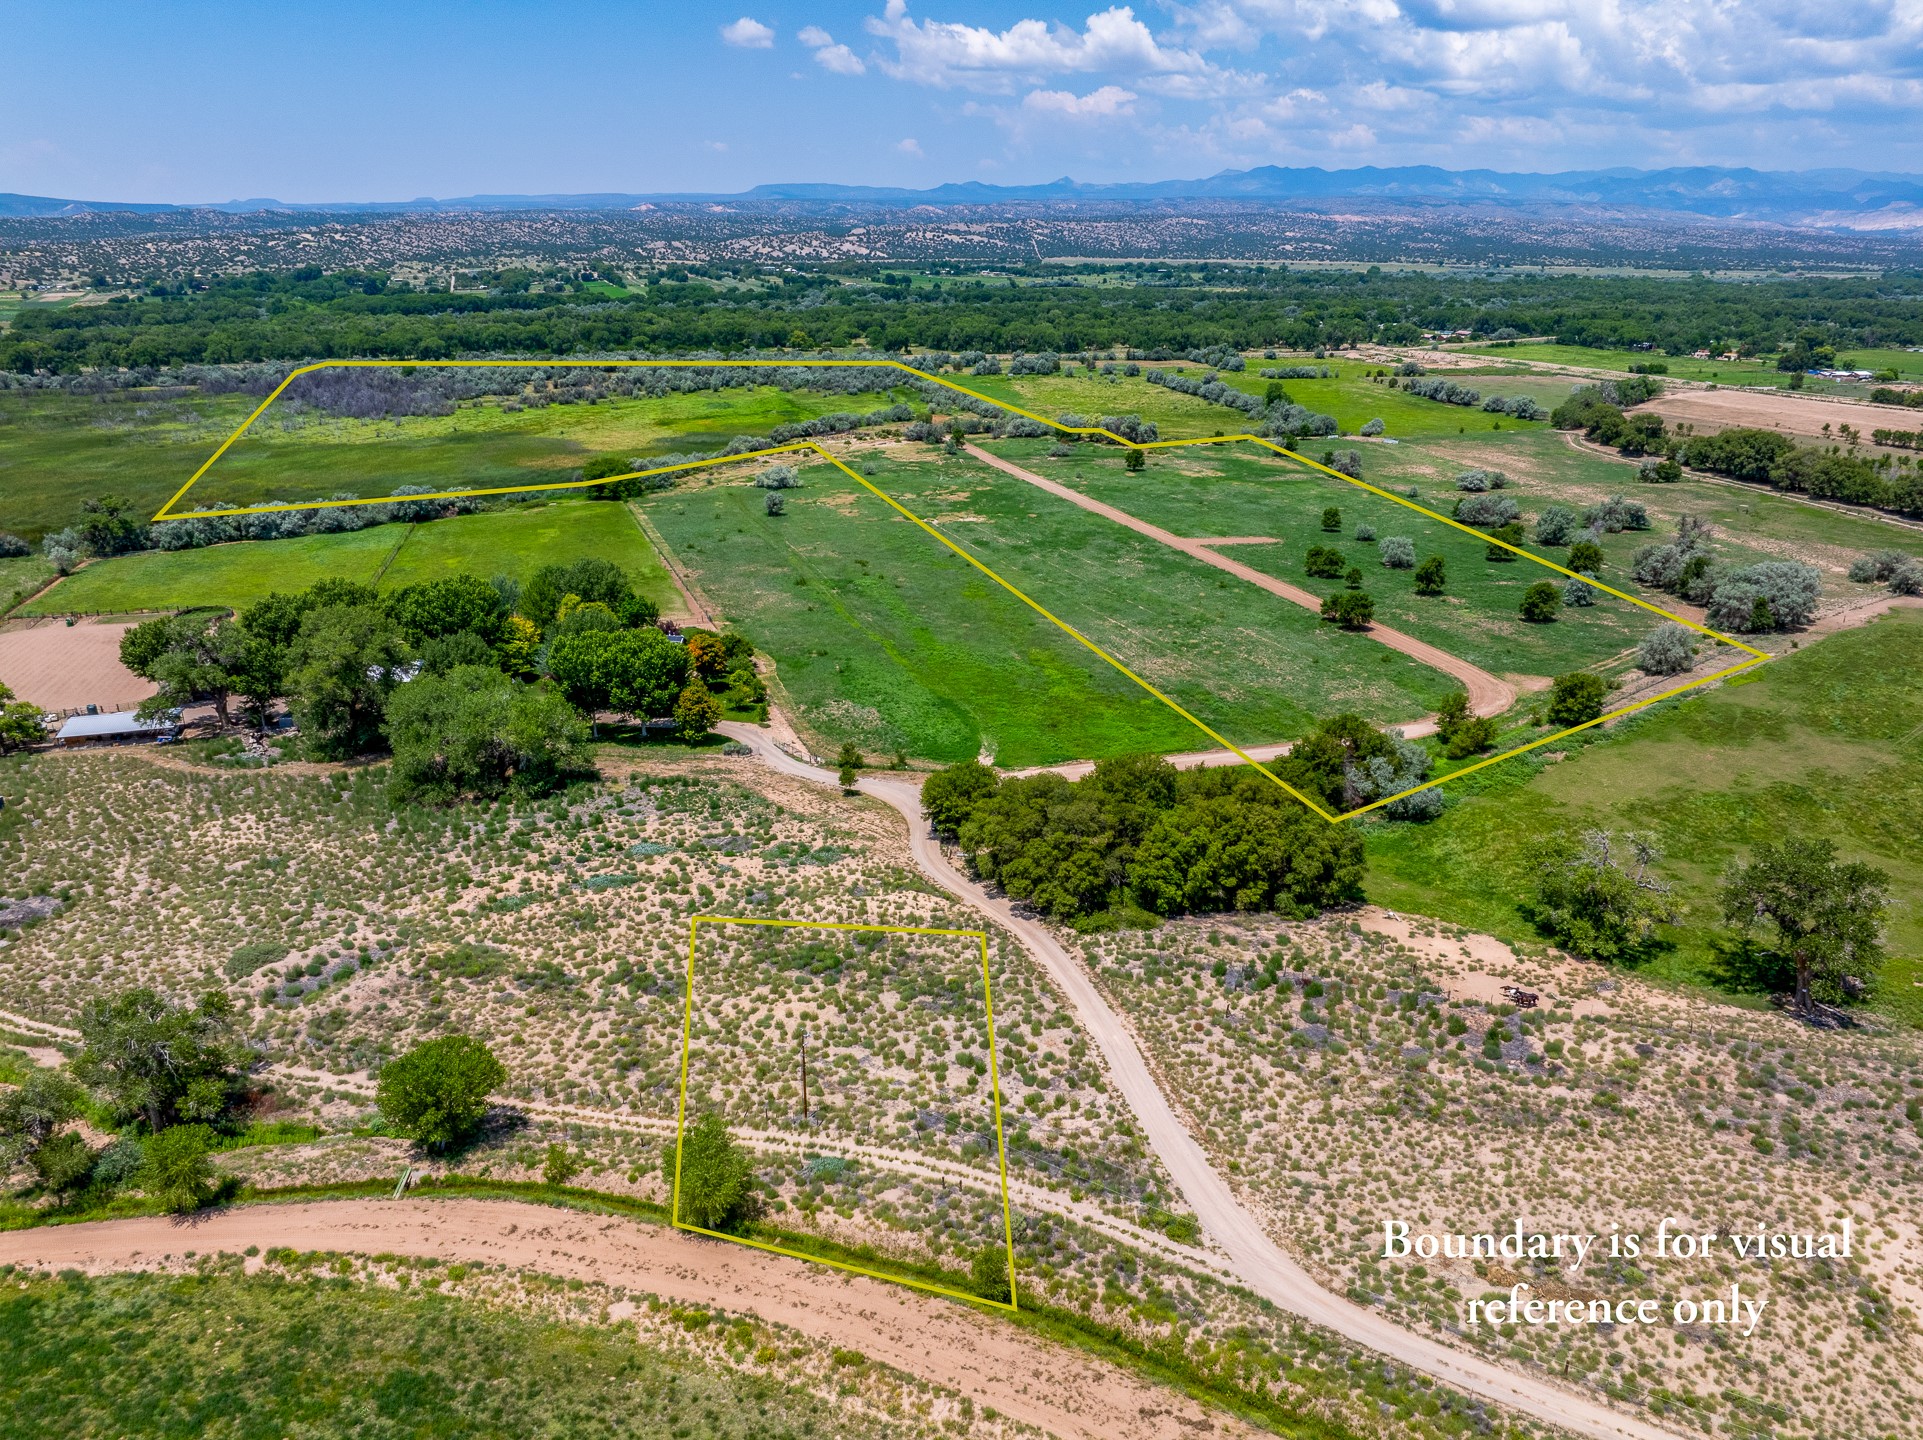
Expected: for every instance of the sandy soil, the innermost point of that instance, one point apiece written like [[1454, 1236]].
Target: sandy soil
[[1265, 1268], [62, 667], [1024, 1377], [1805, 415], [1487, 694]]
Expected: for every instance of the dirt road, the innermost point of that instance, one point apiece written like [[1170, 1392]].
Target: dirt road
[[1488, 695], [1263, 1266], [1031, 1379]]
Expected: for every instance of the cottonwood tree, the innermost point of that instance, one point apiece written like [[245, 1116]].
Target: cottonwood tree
[[473, 731], [342, 666], [438, 1092], [710, 1177], [1600, 895], [1825, 914], [162, 1063]]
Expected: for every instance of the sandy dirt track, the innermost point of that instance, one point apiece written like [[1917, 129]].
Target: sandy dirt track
[[1023, 1376], [1791, 414], [1264, 1267], [62, 667], [1487, 694]]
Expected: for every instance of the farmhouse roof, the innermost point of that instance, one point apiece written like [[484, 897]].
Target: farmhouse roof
[[113, 726]]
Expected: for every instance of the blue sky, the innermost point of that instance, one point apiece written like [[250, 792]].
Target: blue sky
[[334, 101]]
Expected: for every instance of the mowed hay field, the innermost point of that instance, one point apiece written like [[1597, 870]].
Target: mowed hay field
[[884, 637], [1239, 493], [511, 542], [1826, 741]]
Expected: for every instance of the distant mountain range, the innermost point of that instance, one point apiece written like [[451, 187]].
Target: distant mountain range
[[1839, 199]]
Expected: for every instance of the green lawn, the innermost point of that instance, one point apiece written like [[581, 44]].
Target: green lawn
[[884, 638], [1204, 493], [512, 542], [164, 1356], [1827, 741]]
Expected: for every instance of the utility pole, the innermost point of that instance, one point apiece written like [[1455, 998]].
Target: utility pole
[[805, 1120]]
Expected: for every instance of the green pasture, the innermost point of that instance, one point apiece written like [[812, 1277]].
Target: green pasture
[[1351, 396], [1211, 493], [1752, 523], [1826, 741], [885, 638], [513, 542], [20, 576], [58, 450], [485, 445], [1176, 415], [519, 542], [219, 1353]]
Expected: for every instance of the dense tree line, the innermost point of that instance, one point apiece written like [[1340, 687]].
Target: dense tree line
[[1140, 833], [476, 687], [260, 317]]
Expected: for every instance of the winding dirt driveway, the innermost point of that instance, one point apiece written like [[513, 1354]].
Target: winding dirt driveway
[[1488, 695], [1034, 1380], [1261, 1264]]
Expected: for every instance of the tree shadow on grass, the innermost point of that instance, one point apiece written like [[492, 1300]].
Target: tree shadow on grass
[[1741, 966]]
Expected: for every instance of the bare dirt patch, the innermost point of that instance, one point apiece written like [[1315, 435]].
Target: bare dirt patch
[[68, 667], [1812, 417]]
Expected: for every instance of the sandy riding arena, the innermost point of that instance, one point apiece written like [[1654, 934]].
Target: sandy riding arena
[[69, 667], [1713, 410]]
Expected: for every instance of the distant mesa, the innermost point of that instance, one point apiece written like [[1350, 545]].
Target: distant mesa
[[1822, 199]]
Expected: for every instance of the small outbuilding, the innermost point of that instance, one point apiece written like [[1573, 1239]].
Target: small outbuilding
[[119, 727]]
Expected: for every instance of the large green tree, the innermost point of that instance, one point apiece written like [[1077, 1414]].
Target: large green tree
[[473, 731], [438, 1092], [201, 656], [1600, 895], [711, 1177], [448, 606], [637, 672], [949, 796], [342, 666], [163, 1063], [1824, 914], [33, 1113]]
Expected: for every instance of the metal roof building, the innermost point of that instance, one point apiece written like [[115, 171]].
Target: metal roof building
[[119, 725]]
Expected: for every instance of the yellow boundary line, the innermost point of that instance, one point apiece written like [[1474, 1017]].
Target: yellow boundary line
[[1757, 657], [1012, 1303]]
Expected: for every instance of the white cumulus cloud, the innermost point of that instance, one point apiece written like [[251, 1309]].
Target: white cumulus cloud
[[830, 56], [1105, 103], [949, 53], [748, 34]]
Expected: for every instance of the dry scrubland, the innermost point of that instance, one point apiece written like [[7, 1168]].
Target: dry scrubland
[[558, 933], [1347, 1076]]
